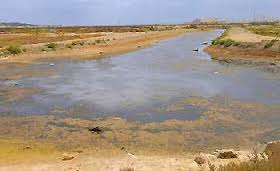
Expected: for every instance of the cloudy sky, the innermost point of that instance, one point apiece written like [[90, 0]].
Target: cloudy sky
[[112, 12]]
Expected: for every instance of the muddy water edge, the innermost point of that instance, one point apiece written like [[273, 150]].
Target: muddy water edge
[[165, 99]]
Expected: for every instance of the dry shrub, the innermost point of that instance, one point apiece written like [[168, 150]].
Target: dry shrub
[[271, 165]]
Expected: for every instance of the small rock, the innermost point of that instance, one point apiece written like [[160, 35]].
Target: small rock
[[101, 52], [67, 156], [51, 64], [200, 160]]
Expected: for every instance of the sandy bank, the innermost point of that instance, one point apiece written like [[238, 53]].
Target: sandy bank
[[242, 35], [247, 48], [266, 60], [116, 43]]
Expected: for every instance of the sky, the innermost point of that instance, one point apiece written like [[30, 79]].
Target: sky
[[124, 12]]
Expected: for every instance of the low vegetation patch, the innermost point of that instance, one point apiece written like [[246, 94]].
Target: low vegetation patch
[[263, 165], [99, 41], [14, 49], [75, 43], [270, 44], [225, 43], [266, 31], [257, 164], [52, 46]]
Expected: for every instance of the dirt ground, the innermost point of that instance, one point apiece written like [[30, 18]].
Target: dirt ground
[[252, 49], [38, 142], [118, 43], [121, 162], [242, 35]]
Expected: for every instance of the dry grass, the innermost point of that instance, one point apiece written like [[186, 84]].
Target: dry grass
[[89, 29], [23, 39], [266, 31], [256, 164], [271, 165]]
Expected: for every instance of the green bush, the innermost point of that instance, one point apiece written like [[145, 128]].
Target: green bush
[[14, 49], [225, 43], [51, 46]]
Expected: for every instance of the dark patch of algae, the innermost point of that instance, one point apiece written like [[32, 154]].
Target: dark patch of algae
[[225, 123]]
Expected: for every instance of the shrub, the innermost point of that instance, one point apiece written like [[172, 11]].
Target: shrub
[[51, 46], [229, 42], [14, 49], [70, 46], [270, 44], [75, 43], [98, 41], [271, 165], [225, 43], [91, 43], [81, 43]]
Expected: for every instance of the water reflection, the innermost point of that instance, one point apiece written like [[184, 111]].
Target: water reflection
[[139, 82]]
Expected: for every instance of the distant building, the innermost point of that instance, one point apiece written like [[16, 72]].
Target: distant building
[[206, 21]]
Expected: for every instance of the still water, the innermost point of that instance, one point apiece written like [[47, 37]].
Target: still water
[[137, 84]]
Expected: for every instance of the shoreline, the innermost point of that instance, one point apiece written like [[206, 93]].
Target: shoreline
[[242, 47], [126, 44], [25, 154], [266, 60]]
